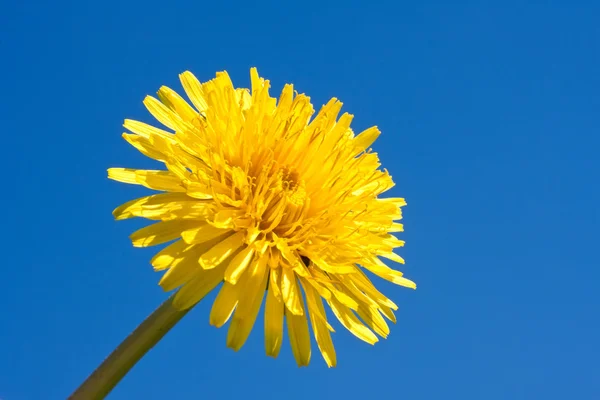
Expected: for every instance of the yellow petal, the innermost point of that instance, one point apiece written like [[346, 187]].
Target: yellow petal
[[186, 266], [218, 253], [194, 91], [318, 320], [333, 269], [344, 298], [196, 289], [405, 282], [396, 227], [393, 257], [275, 279], [366, 138], [293, 259], [323, 292], [239, 264], [377, 267], [363, 283], [181, 271], [159, 180], [396, 201], [161, 206], [176, 103], [159, 233], [374, 320], [198, 190], [168, 255], [144, 146], [273, 318], [388, 313], [202, 233], [224, 304], [146, 131], [249, 303], [299, 337], [162, 113], [291, 292], [243, 98], [375, 186], [224, 218], [351, 322], [312, 306], [256, 82], [178, 168], [124, 175], [358, 294]]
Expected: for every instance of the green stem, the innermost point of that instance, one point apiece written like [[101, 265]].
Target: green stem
[[129, 352]]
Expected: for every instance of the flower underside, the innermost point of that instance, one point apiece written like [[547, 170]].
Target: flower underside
[[258, 195]]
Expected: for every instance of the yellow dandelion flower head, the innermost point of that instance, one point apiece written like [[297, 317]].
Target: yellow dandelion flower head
[[261, 197]]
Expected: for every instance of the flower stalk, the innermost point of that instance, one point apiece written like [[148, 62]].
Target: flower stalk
[[99, 384]]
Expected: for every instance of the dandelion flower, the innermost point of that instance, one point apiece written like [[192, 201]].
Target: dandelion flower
[[260, 197]]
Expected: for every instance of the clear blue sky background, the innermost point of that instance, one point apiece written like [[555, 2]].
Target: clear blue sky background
[[490, 124]]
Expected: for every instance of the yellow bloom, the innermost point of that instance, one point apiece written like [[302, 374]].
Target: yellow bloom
[[262, 198]]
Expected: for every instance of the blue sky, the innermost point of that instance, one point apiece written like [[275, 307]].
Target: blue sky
[[490, 124]]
